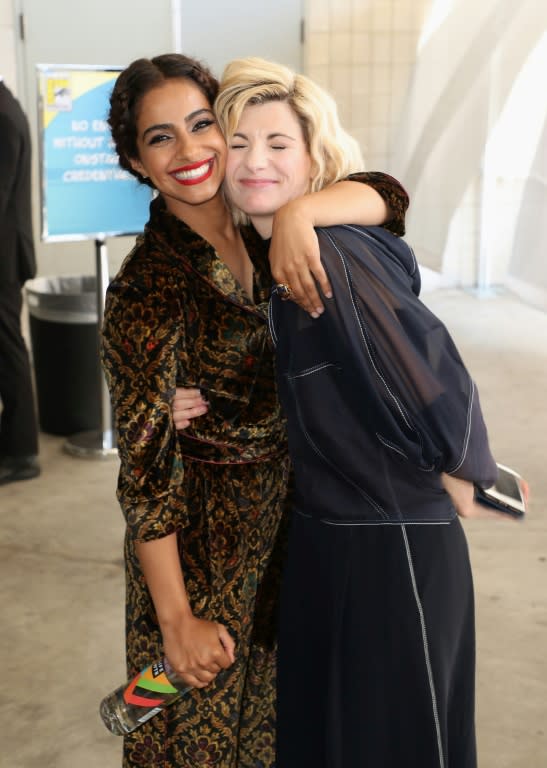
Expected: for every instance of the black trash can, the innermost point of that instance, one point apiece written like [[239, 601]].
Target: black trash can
[[65, 349]]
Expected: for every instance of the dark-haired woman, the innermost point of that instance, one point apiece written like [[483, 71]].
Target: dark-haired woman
[[204, 507]]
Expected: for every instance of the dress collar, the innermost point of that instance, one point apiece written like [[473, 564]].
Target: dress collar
[[195, 254]]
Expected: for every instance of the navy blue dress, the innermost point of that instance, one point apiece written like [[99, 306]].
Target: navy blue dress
[[376, 640]]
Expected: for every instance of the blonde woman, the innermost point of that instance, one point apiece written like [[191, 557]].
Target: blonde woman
[[376, 640]]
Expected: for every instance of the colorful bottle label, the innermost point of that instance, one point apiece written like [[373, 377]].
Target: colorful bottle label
[[150, 688]]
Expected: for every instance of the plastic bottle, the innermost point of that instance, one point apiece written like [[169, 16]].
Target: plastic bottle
[[134, 703]]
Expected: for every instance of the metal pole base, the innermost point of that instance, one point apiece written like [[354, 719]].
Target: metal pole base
[[92, 445]]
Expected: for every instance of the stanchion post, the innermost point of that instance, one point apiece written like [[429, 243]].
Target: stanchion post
[[97, 444]]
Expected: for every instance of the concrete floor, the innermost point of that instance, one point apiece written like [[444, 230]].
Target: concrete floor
[[61, 576]]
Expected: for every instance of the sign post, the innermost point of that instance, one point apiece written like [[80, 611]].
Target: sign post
[[85, 194]]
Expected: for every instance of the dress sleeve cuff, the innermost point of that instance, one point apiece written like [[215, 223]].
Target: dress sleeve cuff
[[394, 194]]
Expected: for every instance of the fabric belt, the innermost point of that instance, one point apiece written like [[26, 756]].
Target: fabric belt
[[211, 452]]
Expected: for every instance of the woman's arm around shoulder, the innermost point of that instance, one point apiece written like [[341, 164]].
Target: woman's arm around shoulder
[[366, 199]]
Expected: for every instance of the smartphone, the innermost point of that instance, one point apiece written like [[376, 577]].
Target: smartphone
[[505, 495]]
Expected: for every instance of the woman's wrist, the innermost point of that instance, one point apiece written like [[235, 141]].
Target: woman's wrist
[[173, 616], [300, 208]]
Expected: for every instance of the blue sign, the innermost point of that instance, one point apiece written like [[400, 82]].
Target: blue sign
[[85, 192]]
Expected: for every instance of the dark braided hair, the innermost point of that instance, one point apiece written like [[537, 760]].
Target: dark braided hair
[[136, 81]]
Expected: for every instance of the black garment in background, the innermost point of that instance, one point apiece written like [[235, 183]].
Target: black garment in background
[[18, 425]]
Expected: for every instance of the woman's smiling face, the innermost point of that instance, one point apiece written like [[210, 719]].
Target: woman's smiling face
[[268, 162], [181, 149]]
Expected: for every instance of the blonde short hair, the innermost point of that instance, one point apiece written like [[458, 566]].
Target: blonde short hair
[[253, 80]]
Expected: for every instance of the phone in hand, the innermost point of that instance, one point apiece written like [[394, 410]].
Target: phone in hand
[[505, 495]]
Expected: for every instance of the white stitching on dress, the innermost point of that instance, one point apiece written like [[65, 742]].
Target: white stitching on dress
[[467, 429], [426, 647], [391, 446], [365, 341], [271, 324], [384, 522], [310, 371], [348, 523]]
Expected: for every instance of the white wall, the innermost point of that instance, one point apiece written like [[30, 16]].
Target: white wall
[[425, 113], [217, 32], [8, 67], [365, 53]]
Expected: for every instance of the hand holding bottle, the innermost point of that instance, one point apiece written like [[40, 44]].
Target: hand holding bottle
[[197, 649], [206, 649]]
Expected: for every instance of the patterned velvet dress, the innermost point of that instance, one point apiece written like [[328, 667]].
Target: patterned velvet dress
[[175, 316]]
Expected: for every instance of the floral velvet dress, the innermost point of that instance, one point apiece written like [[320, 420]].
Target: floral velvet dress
[[175, 316]]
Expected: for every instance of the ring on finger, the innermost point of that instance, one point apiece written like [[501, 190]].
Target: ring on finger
[[283, 290]]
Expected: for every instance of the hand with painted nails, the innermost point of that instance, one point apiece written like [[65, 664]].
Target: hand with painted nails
[[294, 251], [295, 260]]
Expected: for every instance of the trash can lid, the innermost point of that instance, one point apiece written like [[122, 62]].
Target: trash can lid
[[63, 299]]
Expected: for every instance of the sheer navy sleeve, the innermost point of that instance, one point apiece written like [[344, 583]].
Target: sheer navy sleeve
[[419, 397]]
